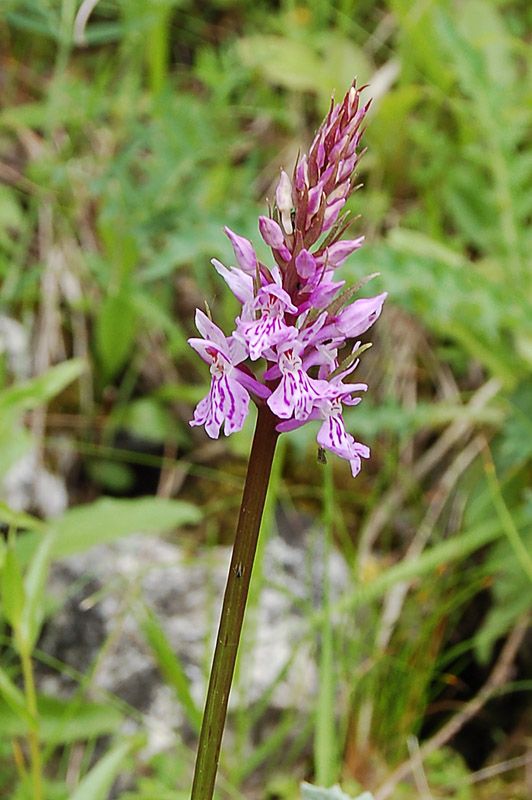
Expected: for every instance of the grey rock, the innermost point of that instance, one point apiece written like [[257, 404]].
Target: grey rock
[[100, 596], [29, 486]]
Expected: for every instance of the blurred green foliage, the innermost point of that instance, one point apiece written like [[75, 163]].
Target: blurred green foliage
[[127, 141]]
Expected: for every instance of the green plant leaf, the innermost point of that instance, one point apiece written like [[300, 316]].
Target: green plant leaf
[[146, 418], [33, 393], [286, 62], [60, 721], [34, 584], [96, 784], [115, 332], [19, 519], [14, 699], [12, 586], [108, 519]]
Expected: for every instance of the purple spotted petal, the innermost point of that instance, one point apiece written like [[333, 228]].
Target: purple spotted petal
[[227, 402], [333, 436], [261, 334], [296, 395]]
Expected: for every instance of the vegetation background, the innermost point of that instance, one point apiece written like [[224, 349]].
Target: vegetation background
[[130, 132]]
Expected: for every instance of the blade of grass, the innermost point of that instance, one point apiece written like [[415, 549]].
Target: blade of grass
[[169, 664], [506, 519]]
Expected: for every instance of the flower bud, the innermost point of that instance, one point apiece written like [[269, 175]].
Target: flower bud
[[339, 251], [305, 265], [283, 196], [244, 252], [273, 235], [360, 315], [301, 173]]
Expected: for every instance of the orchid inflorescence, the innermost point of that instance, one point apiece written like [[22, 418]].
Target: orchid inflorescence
[[294, 315]]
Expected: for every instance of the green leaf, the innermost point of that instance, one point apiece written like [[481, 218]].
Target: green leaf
[[11, 216], [19, 519], [419, 244], [146, 418], [116, 477], [14, 699], [115, 332], [33, 393], [109, 519], [60, 721], [15, 441], [290, 63], [34, 584], [488, 355], [482, 24], [12, 587], [96, 784], [458, 547]]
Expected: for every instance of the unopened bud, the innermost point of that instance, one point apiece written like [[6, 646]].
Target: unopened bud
[[273, 235], [283, 196], [244, 252]]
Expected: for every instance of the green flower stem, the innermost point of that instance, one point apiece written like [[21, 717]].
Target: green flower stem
[[234, 604], [31, 703]]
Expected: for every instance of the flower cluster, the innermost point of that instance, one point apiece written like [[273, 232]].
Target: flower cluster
[[295, 315]]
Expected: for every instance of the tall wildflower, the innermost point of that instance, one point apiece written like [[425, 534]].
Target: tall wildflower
[[288, 354], [296, 317]]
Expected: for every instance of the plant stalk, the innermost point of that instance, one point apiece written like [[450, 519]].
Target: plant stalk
[[31, 703], [234, 604]]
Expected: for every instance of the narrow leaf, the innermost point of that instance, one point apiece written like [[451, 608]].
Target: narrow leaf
[[33, 393], [14, 698], [96, 784], [12, 587], [108, 519], [34, 583]]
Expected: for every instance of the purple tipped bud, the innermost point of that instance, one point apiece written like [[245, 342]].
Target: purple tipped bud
[[283, 193], [331, 213], [346, 167], [320, 154], [244, 252], [339, 148], [283, 196], [352, 99], [342, 190], [273, 235], [339, 251], [314, 199], [324, 294], [301, 175], [360, 315], [305, 265]]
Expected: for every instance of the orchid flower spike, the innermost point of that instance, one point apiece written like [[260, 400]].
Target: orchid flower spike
[[295, 315]]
